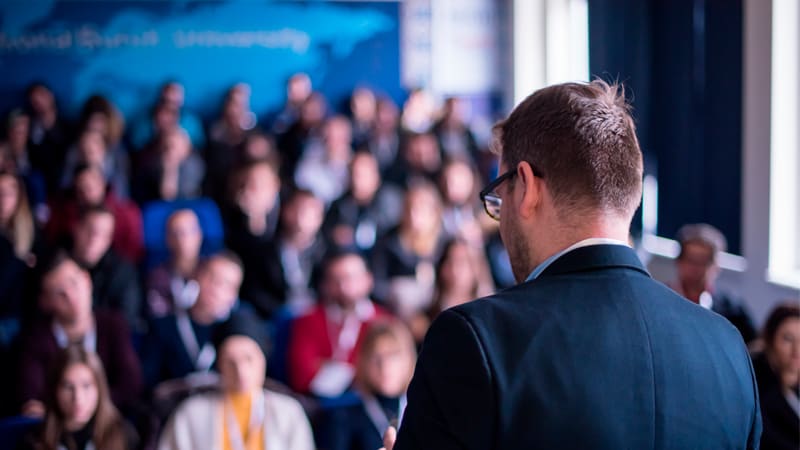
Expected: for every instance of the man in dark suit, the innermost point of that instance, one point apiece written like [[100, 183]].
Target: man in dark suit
[[587, 351]]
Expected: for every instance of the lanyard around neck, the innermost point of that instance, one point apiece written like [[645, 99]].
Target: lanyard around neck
[[202, 358], [378, 416], [258, 415], [88, 341]]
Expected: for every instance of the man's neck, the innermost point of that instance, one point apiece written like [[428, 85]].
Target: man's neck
[[298, 241], [184, 266], [565, 236], [202, 316], [77, 329]]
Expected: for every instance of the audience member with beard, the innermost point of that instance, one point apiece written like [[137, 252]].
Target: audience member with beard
[[89, 189]]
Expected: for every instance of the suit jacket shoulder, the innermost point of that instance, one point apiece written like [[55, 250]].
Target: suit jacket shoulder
[[592, 354]]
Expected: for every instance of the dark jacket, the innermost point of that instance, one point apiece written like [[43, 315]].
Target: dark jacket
[[592, 354], [781, 423], [114, 347], [115, 285], [164, 355], [351, 428]]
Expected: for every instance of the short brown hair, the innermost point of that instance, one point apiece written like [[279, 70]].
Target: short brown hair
[[581, 138]]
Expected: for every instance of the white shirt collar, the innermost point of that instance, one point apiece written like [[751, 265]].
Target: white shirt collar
[[89, 340], [584, 243]]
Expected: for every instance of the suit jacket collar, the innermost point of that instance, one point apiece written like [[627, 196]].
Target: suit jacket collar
[[595, 257]]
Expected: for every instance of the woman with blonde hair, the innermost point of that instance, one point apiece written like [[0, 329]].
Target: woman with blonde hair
[[80, 414], [16, 219], [384, 368]]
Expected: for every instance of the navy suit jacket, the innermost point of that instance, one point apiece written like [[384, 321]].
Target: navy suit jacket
[[593, 354]]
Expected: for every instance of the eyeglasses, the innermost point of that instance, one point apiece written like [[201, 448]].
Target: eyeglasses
[[491, 199]]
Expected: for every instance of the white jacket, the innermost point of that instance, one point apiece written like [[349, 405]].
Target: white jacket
[[197, 424]]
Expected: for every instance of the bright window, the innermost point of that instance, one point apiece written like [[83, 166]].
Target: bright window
[[784, 228]]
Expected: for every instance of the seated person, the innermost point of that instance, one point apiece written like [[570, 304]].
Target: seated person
[[384, 369], [67, 319], [115, 281], [324, 342], [170, 285], [420, 157], [698, 270], [279, 273], [20, 247], [324, 168], [91, 148], [460, 215], [89, 189], [170, 169], [462, 275], [242, 414], [168, 112], [366, 211], [777, 371], [16, 156], [253, 217], [180, 344], [224, 136], [80, 413], [404, 260]]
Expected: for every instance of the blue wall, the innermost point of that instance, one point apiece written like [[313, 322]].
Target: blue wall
[[126, 49]]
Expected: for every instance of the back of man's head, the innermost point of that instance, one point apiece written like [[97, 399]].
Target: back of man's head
[[581, 139]]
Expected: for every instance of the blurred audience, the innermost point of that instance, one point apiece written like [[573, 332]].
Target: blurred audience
[[324, 342], [384, 368], [420, 158], [179, 344], [17, 224], [698, 269], [324, 167], [170, 170], [418, 112], [458, 183], [462, 275], [170, 285], [67, 319], [242, 414], [777, 370], [79, 411], [306, 128], [280, 271], [298, 89], [115, 281], [363, 113], [49, 135], [168, 114], [15, 156], [404, 259], [225, 135], [88, 190], [99, 143], [384, 142], [452, 130], [366, 211]]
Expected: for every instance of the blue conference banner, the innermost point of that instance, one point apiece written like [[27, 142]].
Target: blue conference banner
[[126, 49]]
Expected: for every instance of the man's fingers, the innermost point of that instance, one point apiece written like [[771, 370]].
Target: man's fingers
[[388, 438]]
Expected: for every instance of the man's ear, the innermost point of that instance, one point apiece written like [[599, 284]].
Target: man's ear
[[530, 189]]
